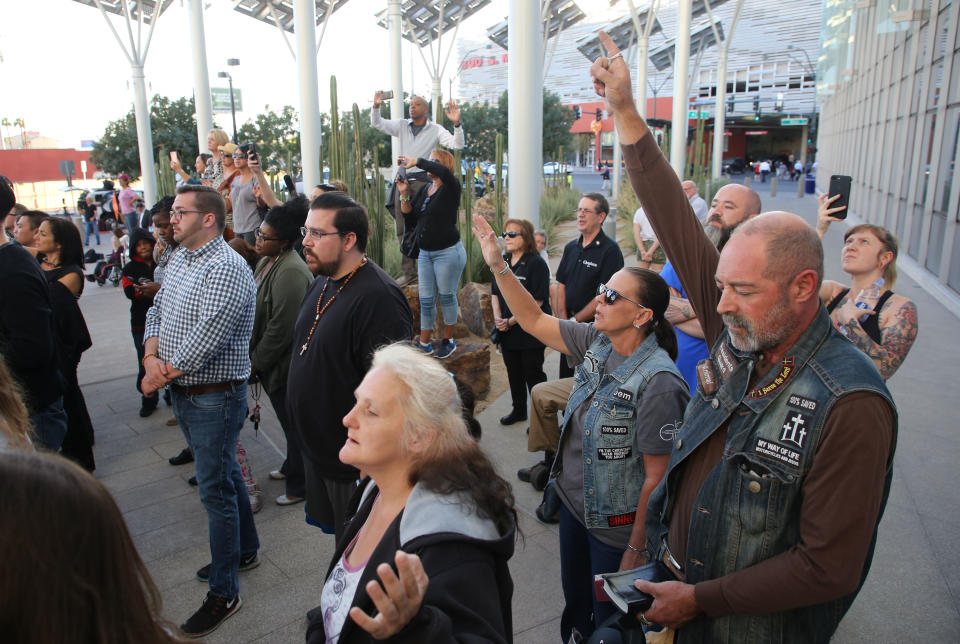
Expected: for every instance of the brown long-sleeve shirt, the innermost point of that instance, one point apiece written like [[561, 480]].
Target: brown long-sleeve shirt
[[843, 490]]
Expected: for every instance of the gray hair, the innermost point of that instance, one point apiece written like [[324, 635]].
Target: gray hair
[[792, 245]]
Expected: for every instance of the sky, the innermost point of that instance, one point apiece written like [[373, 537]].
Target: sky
[[64, 73]]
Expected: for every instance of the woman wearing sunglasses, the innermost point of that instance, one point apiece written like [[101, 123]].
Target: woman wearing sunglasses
[[522, 353], [625, 407]]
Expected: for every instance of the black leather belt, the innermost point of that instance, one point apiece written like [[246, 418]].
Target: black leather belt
[[205, 388], [670, 561]]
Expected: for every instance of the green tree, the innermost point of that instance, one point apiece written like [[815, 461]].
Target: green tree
[[557, 121], [173, 124], [481, 123], [277, 136]]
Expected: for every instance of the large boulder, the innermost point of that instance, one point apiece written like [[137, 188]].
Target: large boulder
[[471, 364], [475, 308]]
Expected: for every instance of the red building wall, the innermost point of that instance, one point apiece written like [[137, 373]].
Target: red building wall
[[26, 166]]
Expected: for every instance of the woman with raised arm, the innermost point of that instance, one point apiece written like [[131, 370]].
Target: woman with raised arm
[[882, 324], [432, 213], [625, 408], [432, 520]]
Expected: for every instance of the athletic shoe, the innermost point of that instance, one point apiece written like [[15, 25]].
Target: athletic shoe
[[256, 498], [185, 456], [289, 499], [247, 562], [447, 347], [277, 475], [426, 348], [213, 612]]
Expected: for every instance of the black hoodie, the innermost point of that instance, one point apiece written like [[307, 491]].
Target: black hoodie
[[135, 270], [465, 556]]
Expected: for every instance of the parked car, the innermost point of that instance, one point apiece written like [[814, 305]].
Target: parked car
[[734, 165], [551, 168]]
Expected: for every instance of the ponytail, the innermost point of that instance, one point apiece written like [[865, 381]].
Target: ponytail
[[666, 336], [655, 294]]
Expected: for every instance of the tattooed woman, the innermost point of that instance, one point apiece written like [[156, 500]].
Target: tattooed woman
[[886, 329]]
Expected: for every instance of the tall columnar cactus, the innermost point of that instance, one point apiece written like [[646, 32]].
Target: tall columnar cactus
[[358, 176], [336, 147], [166, 182], [498, 187]]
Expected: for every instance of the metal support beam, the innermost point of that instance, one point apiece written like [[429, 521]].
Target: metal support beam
[[305, 21], [396, 76], [678, 134], [141, 112], [525, 110], [719, 117], [201, 81]]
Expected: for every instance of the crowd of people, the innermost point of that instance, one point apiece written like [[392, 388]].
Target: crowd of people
[[720, 421]]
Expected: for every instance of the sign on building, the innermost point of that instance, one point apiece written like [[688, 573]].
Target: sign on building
[[220, 97]]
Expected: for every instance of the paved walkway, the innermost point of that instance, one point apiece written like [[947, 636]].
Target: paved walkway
[[912, 594]]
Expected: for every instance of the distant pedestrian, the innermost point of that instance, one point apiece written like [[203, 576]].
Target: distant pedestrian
[[90, 220], [125, 199]]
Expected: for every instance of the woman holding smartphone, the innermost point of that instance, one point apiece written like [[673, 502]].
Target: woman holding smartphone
[[882, 324]]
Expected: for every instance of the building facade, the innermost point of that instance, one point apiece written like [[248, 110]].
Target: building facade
[[890, 93]]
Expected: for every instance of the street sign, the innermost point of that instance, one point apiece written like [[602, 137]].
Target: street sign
[[803, 120], [692, 115], [220, 98]]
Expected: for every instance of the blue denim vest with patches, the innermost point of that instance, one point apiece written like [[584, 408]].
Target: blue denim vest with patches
[[613, 473], [748, 508]]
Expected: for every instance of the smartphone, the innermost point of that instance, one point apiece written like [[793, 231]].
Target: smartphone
[[840, 185], [252, 151], [173, 157], [401, 174], [386, 95]]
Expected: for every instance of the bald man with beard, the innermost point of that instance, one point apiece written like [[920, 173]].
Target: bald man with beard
[[767, 518]]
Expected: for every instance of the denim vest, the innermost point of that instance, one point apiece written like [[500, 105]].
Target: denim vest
[[612, 473], [748, 509]]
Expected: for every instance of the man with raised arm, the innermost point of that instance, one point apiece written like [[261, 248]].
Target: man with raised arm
[[767, 517]]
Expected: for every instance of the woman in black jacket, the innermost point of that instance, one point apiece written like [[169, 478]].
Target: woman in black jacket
[[434, 511], [433, 213], [522, 353]]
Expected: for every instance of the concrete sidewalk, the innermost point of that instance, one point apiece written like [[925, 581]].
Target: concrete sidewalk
[[911, 594]]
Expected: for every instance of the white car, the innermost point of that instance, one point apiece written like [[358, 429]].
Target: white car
[[552, 167]]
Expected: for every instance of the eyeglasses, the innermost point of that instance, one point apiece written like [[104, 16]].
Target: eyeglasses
[[510, 234], [316, 234], [584, 211], [610, 296], [178, 213], [265, 238]]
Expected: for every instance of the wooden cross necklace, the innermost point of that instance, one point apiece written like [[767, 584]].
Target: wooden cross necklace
[[321, 311]]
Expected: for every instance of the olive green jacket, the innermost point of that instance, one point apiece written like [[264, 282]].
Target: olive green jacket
[[279, 296]]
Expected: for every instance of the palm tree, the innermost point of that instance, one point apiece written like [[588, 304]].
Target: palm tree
[[23, 132], [5, 122]]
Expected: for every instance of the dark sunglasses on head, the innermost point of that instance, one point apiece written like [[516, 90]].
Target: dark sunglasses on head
[[511, 235], [610, 296]]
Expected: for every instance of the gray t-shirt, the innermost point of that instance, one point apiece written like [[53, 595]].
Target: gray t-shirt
[[246, 218], [660, 408]]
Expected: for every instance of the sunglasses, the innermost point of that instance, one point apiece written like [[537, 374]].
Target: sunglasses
[[511, 235], [610, 296]]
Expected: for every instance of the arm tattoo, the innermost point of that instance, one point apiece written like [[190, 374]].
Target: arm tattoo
[[897, 338], [679, 310]]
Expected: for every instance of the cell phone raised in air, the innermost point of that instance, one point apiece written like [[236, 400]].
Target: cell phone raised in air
[[840, 185], [386, 95], [401, 174], [252, 151]]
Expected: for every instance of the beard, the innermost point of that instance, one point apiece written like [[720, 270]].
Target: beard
[[768, 332], [317, 267], [718, 235]]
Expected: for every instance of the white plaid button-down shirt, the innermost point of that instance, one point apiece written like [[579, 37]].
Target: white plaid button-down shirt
[[203, 314]]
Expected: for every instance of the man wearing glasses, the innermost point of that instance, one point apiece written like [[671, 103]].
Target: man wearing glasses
[[197, 340], [352, 308]]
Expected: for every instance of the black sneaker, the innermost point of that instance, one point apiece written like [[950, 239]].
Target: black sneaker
[[185, 456], [213, 612], [247, 562]]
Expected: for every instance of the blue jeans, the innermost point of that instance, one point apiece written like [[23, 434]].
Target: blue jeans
[[50, 425], [131, 220], [581, 557], [90, 227], [439, 271], [211, 423]]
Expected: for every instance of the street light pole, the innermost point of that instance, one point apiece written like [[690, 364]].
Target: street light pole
[[233, 108]]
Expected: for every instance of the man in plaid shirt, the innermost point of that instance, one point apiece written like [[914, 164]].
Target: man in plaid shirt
[[197, 340]]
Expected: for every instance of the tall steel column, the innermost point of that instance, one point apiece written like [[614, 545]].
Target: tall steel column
[[201, 82], [148, 173], [396, 75], [678, 133], [305, 21], [525, 110]]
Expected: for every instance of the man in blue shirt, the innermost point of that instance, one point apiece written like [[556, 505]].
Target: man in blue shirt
[[197, 340]]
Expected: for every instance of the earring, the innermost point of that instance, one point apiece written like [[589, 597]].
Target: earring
[[637, 326]]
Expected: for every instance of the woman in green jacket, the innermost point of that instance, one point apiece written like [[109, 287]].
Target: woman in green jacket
[[282, 280]]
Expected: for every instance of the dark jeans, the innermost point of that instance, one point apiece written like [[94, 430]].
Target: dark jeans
[[131, 221], [581, 557], [292, 467], [211, 423], [524, 370], [145, 401], [50, 425]]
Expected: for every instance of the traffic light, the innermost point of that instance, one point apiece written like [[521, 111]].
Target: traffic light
[[576, 111], [756, 104], [599, 114], [730, 105]]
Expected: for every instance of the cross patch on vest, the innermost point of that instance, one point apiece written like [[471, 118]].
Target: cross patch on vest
[[614, 453], [787, 369], [795, 428]]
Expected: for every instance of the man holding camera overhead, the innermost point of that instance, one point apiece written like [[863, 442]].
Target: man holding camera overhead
[[418, 138]]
